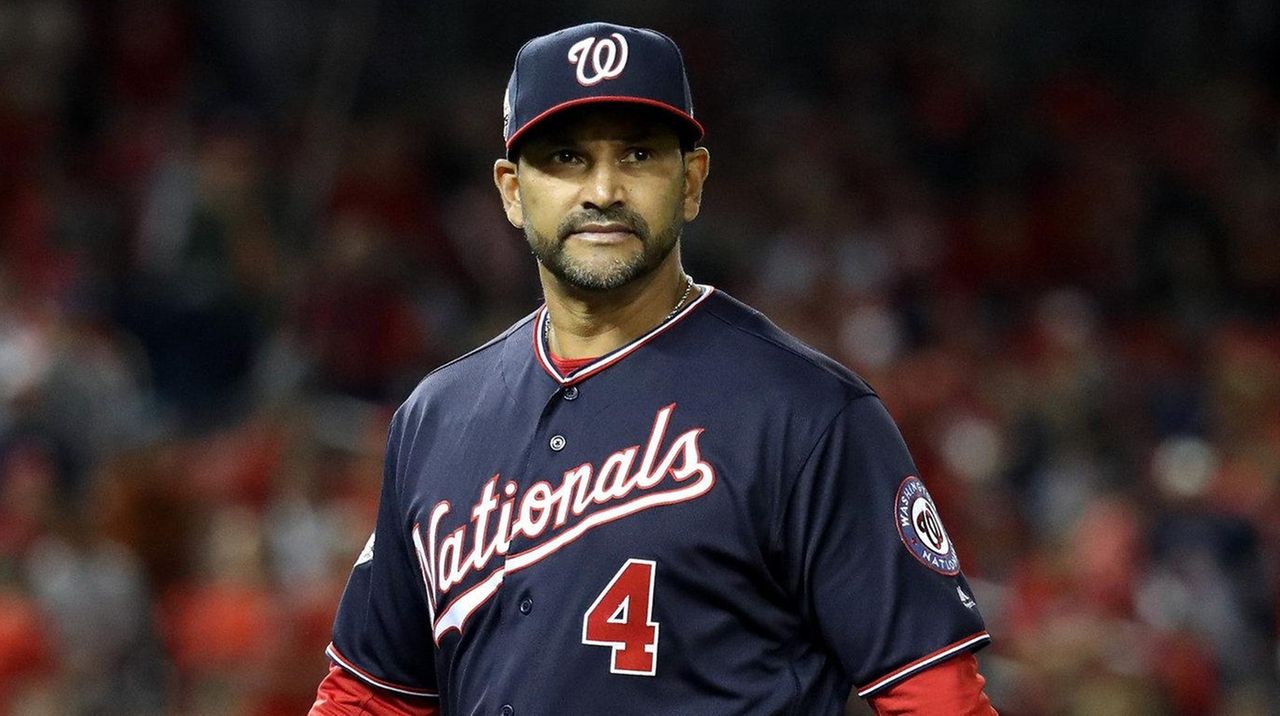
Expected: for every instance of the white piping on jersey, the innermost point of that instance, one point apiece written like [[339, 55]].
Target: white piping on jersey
[[925, 662], [540, 348], [332, 652]]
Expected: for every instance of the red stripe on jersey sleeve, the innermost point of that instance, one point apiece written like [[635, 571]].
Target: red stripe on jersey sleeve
[[341, 694], [951, 687]]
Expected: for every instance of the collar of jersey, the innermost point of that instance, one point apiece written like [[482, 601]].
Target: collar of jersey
[[608, 359]]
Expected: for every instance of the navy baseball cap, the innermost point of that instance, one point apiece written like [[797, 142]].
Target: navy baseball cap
[[597, 62]]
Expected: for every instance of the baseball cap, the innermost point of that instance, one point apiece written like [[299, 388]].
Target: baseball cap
[[596, 62]]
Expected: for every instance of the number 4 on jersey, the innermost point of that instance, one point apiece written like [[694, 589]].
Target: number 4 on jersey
[[622, 618]]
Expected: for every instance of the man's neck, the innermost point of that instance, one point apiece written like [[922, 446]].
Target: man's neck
[[590, 323]]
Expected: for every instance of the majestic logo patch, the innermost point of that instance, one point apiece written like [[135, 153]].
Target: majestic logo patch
[[506, 111], [608, 57], [366, 554], [921, 529]]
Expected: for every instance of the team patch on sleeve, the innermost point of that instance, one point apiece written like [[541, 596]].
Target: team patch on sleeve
[[921, 529]]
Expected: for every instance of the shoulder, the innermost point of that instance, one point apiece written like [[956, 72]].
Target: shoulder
[[762, 350], [465, 375]]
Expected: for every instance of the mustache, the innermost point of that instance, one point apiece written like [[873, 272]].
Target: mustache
[[613, 215]]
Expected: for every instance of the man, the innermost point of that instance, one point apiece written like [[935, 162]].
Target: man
[[644, 497]]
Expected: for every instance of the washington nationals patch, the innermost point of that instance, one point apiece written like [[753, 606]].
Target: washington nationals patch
[[921, 528]]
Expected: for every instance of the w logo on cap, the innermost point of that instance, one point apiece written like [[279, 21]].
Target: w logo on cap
[[542, 84], [607, 58]]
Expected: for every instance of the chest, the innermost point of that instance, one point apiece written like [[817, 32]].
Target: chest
[[582, 541], [577, 491]]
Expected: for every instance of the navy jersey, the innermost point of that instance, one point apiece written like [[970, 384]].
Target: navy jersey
[[713, 519]]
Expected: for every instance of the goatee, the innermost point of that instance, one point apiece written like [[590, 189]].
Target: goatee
[[617, 272]]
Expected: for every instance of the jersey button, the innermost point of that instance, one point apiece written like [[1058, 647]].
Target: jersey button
[[571, 393], [507, 710], [557, 442], [526, 605]]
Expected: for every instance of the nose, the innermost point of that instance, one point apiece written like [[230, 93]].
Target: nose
[[604, 187]]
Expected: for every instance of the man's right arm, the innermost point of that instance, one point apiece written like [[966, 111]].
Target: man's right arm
[[341, 694], [382, 652]]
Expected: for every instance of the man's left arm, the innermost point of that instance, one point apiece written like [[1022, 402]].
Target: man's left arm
[[874, 570], [953, 687]]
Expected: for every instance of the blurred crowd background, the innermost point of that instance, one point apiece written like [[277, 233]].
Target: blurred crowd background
[[234, 235]]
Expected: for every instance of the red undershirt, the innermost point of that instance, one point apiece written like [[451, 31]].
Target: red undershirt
[[953, 687], [568, 365]]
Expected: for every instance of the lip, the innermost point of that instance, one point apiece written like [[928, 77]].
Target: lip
[[602, 233]]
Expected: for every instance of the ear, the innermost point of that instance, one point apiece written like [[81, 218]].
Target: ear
[[507, 179], [697, 162]]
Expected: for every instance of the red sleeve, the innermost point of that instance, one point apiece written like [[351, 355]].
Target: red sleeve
[[341, 694], [952, 687]]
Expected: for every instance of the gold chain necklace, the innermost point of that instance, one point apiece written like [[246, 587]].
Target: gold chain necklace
[[688, 288]]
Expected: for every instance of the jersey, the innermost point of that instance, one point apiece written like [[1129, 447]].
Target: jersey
[[713, 518]]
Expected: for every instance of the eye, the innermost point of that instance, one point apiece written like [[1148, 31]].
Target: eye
[[639, 154], [564, 156]]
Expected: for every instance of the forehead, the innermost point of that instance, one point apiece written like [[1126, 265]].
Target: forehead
[[593, 122]]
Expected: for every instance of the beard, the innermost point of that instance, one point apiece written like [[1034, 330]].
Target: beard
[[613, 273]]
